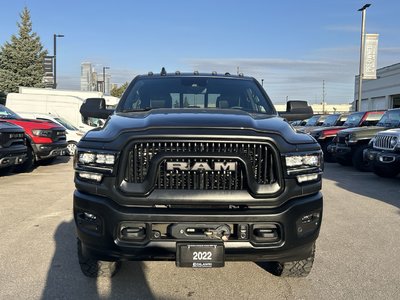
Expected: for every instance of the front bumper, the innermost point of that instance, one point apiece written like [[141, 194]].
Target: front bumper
[[43, 151], [11, 157], [382, 158], [101, 234]]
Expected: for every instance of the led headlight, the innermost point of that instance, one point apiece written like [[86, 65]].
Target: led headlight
[[96, 158], [87, 158], [311, 160], [305, 163], [42, 132]]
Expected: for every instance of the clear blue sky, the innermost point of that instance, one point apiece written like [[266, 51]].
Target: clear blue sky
[[292, 45]]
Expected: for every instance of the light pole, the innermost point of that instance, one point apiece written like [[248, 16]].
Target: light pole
[[104, 79], [361, 69], [55, 36], [262, 82]]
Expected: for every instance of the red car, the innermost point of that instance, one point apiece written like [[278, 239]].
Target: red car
[[45, 140]]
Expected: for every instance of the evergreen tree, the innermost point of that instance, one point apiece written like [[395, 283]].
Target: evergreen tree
[[21, 60], [118, 91]]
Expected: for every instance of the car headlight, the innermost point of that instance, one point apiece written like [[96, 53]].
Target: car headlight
[[304, 163], [371, 142], [93, 165], [96, 158], [394, 142], [42, 132]]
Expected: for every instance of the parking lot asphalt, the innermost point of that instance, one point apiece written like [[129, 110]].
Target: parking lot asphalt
[[357, 256]]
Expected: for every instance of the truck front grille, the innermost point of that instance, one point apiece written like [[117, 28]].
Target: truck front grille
[[8, 139], [58, 135], [384, 142], [213, 174]]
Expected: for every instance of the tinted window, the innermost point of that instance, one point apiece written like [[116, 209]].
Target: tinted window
[[354, 119], [195, 92], [391, 118], [330, 120], [5, 113]]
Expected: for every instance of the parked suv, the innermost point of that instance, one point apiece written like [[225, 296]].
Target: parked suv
[[325, 135], [196, 169], [385, 153], [351, 143], [12, 145], [45, 140]]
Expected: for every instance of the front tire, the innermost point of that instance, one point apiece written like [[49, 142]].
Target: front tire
[[29, 163], [297, 268], [94, 268], [358, 159], [328, 157]]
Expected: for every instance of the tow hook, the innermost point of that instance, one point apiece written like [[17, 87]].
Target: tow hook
[[222, 232]]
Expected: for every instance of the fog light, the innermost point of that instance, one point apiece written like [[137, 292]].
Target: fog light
[[90, 216], [91, 176], [306, 177]]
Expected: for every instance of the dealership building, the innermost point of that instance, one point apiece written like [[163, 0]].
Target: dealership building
[[380, 93]]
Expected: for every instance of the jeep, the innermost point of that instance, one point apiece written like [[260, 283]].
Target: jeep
[[326, 134], [350, 143], [384, 154], [198, 169]]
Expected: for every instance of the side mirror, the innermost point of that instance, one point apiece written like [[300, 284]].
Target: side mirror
[[297, 110], [95, 108]]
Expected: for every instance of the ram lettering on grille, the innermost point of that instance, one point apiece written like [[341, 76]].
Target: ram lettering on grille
[[223, 166]]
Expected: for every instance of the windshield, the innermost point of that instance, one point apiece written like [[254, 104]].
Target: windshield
[[66, 124], [330, 120], [353, 119], [195, 92], [313, 121], [391, 118], [5, 113]]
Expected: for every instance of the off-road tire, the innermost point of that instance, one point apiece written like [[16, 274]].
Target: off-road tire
[[358, 159], [29, 163], [328, 157], [386, 172], [94, 268], [297, 268]]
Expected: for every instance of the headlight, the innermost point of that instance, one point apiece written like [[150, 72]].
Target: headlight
[[371, 142], [305, 167], [394, 142], [307, 160], [93, 165], [42, 132], [96, 158]]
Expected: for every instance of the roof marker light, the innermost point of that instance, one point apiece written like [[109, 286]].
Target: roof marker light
[[177, 73], [163, 72], [196, 72], [214, 73], [150, 74], [227, 74]]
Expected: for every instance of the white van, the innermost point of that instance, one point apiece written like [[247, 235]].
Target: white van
[[73, 134], [63, 103]]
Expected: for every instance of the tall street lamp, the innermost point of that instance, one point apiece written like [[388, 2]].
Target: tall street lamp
[[361, 70], [55, 36], [104, 79]]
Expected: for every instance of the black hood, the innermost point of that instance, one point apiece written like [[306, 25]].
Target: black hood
[[230, 119]]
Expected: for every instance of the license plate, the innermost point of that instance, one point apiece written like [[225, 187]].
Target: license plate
[[200, 255]]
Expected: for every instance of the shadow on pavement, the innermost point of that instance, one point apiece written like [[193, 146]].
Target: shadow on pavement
[[66, 281], [365, 183]]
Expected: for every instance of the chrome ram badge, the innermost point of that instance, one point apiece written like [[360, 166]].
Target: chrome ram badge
[[201, 166]]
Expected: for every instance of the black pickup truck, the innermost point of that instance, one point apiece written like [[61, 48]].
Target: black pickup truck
[[198, 169], [12, 146]]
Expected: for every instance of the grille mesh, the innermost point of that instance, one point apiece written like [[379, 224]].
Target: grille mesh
[[259, 158]]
